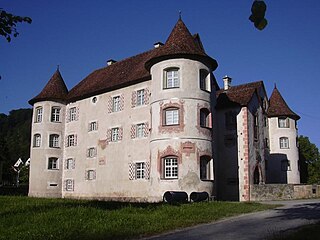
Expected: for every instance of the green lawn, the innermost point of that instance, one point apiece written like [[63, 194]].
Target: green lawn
[[33, 218]]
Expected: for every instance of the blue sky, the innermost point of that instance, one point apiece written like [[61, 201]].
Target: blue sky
[[81, 36]]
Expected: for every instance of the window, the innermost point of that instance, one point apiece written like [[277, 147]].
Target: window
[[283, 123], [90, 174], [231, 120], [140, 130], [206, 168], [37, 140], [69, 185], [140, 97], [285, 165], [38, 117], [205, 120], [171, 78], [55, 114], [54, 141], [284, 142], [140, 170], [170, 167], [114, 134], [171, 116], [71, 140], [92, 152], [116, 104], [70, 163], [73, 114], [93, 126], [53, 163], [204, 80], [255, 127]]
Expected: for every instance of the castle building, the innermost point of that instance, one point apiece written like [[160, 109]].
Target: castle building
[[158, 122]]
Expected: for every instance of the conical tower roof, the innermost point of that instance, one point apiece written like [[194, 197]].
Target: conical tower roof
[[55, 90], [181, 44], [278, 106]]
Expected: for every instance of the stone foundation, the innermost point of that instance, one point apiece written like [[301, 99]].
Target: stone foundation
[[269, 192]]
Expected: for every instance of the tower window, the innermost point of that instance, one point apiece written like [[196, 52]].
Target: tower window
[[171, 116], [54, 141], [284, 142], [171, 78], [37, 140], [38, 115], [283, 123], [55, 114]]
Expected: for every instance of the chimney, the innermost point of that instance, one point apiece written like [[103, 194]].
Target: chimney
[[110, 62], [226, 82], [158, 44]]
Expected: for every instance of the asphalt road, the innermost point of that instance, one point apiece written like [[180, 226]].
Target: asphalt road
[[260, 225]]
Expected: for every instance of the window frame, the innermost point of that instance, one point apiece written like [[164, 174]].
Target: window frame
[[140, 168], [115, 134], [36, 140], [283, 122], [73, 114], [90, 174], [140, 130], [206, 173], [91, 152], [69, 185], [38, 114], [54, 140], [71, 140], [70, 163], [174, 80], [204, 80], [116, 101], [93, 126], [284, 143], [55, 114], [205, 120], [170, 167], [140, 97], [174, 121], [53, 163]]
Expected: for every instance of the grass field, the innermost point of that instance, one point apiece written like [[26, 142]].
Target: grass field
[[32, 218]]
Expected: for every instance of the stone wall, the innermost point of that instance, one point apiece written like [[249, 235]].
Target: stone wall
[[268, 192]]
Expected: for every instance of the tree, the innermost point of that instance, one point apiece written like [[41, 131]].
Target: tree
[[15, 135], [310, 156], [258, 11], [8, 24]]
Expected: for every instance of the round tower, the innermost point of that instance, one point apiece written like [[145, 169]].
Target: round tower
[[182, 104], [47, 136], [283, 164]]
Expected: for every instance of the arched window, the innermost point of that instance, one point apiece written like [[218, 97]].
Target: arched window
[[36, 140], [171, 78], [171, 116], [205, 118], [54, 141], [170, 167], [284, 142], [38, 115], [206, 168]]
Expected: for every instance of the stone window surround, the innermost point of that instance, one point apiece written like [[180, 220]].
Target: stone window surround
[[171, 128], [168, 152], [202, 129]]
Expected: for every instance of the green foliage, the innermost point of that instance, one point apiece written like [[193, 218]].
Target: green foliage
[[33, 218], [15, 135], [258, 11], [8, 24], [309, 154]]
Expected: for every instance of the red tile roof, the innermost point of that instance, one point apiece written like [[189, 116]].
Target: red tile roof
[[237, 95], [278, 106], [135, 69], [55, 90], [181, 44]]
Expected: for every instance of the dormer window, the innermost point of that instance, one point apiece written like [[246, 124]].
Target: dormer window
[[283, 122], [171, 78]]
